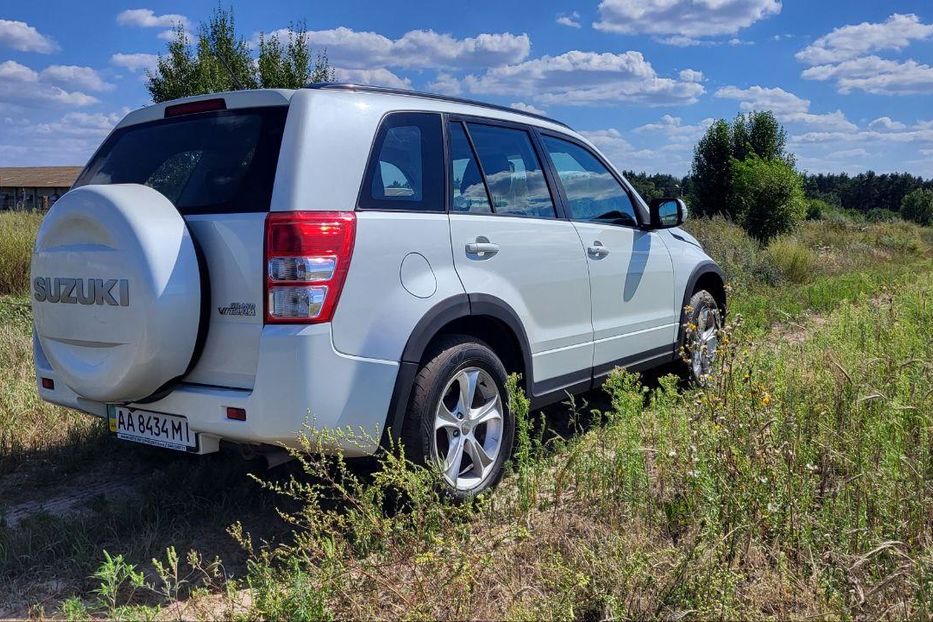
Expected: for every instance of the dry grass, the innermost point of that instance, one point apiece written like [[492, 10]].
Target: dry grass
[[29, 427], [17, 233]]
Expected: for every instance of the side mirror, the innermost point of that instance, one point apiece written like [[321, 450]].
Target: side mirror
[[667, 213]]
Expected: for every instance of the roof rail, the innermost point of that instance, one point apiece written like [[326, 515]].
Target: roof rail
[[345, 86]]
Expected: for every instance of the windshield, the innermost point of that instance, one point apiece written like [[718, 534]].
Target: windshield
[[215, 162]]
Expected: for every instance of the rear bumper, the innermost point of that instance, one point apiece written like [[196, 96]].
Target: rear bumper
[[302, 383]]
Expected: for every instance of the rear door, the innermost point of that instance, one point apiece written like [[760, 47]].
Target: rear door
[[218, 168], [508, 244], [631, 274]]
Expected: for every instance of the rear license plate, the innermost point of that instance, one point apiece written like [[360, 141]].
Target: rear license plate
[[143, 426]]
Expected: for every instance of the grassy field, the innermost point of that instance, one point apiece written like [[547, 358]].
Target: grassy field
[[798, 484]]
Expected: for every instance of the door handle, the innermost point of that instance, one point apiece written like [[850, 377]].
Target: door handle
[[597, 250], [482, 247]]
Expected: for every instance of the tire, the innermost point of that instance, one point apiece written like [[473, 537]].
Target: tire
[[436, 423], [702, 321]]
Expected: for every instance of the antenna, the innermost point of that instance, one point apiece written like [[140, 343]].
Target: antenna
[[236, 83]]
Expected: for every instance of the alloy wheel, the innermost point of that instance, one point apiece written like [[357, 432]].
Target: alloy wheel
[[468, 425]]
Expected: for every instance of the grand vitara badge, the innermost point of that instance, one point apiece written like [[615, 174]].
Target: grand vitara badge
[[113, 292]]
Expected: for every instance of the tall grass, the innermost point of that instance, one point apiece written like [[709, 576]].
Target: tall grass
[[17, 234], [30, 428], [798, 483], [794, 261]]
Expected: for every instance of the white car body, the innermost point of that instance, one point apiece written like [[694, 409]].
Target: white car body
[[565, 315]]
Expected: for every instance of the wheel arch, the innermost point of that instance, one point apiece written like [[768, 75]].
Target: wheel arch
[[705, 275], [488, 318]]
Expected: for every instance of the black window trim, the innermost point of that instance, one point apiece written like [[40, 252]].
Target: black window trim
[[445, 184], [640, 216], [543, 161], [479, 166]]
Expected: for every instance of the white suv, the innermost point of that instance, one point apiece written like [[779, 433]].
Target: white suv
[[236, 266]]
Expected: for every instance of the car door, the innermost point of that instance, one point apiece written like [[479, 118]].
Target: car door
[[631, 274], [509, 246]]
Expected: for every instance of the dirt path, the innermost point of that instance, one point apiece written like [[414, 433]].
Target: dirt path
[[72, 497]]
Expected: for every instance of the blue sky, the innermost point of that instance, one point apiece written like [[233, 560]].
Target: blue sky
[[851, 79]]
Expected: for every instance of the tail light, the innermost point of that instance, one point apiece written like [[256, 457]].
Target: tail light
[[307, 259]]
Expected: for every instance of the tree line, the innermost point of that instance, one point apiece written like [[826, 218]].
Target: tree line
[[742, 170]]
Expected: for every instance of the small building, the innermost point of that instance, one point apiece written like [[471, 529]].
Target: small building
[[34, 187]]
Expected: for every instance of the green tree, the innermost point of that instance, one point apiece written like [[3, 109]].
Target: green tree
[[917, 206], [766, 137], [752, 135], [290, 66], [767, 195], [221, 60], [712, 173]]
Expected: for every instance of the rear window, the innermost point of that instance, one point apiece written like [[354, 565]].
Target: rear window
[[208, 163], [406, 168]]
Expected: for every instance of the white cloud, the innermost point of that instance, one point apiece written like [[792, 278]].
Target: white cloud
[[169, 35], [417, 49], [378, 77], [446, 84], [848, 153], [921, 132], [22, 86], [685, 18], [146, 18], [786, 106], [685, 42], [585, 78], [74, 76], [572, 20], [886, 123], [527, 108], [673, 129], [25, 38], [691, 75], [71, 139], [876, 75], [611, 142], [135, 62], [849, 42], [81, 124], [665, 157], [845, 56]]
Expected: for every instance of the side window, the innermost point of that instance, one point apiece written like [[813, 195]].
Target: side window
[[468, 193], [513, 172], [406, 170], [592, 192]]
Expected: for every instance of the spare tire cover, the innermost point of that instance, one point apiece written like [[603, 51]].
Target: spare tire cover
[[116, 291]]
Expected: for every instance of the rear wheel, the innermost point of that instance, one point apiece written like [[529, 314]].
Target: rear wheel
[[458, 418], [703, 320]]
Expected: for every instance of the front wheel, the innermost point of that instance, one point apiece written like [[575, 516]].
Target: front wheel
[[459, 418], [703, 325]]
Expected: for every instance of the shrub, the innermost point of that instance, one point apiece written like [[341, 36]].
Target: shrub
[[17, 234], [726, 242], [794, 261], [768, 195], [817, 208], [879, 214], [918, 207]]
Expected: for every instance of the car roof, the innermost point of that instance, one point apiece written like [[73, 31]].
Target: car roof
[[390, 98], [364, 88]]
